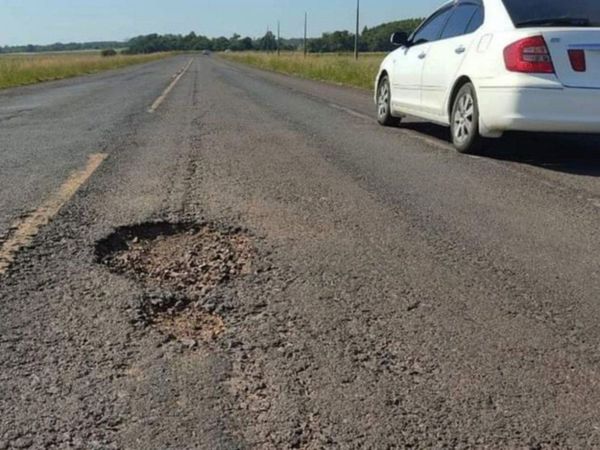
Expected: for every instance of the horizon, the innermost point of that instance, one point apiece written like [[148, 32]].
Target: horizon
[[32, 22]]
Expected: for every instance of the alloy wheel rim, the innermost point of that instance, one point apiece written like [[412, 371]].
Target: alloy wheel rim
[[384, 95], [463, 118]]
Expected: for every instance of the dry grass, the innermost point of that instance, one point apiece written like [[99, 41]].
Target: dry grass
[[336, 68], [20, 70]]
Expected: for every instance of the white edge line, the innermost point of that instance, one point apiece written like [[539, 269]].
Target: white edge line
[[411, 133], [443, 146]]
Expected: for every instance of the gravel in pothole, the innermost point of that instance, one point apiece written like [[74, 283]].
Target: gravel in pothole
[[180, 318], [187, 260]]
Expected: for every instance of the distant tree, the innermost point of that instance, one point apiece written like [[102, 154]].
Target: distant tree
[[220, 44], [108, 52], [234, 43], [189, 41], [377, 39], [239, 45], [338, 41], [268, 42], [246, 43]]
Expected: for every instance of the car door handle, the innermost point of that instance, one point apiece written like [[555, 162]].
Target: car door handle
[[423, 55], [460, 49]]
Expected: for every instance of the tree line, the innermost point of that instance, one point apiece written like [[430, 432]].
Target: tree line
[[376, 39], [60, 47]]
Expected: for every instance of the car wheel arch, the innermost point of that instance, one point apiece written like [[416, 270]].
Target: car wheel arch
[[382, 75], [460, 82]]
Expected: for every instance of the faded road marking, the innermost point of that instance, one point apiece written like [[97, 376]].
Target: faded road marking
[[351, 112], [26, 229], [169, 88], [428, 140], [414, 134]]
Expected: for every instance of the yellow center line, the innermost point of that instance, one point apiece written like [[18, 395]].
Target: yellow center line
[[26, 229], [169, 88]]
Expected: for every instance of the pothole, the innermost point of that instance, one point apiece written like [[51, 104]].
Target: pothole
[[184, 258], [178, 317], [187, 261]]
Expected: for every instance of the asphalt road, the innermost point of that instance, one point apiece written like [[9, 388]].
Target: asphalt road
[[407, 296]]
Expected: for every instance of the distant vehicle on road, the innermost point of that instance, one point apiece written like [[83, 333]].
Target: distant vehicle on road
[[206, 52], [484, 67]]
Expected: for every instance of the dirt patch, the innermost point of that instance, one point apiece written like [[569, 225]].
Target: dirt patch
[[187, 261], [180, 318], [193, 324]]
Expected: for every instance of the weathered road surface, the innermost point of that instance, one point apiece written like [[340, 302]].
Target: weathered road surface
[[409, 296]]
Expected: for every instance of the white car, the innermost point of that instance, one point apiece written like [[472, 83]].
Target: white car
[[484, 67]]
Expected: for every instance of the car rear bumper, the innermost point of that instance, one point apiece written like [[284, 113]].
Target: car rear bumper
[[568, 110]]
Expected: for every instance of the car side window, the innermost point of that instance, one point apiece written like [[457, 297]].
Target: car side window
[[432, 29], [476, 20], [459, 21]]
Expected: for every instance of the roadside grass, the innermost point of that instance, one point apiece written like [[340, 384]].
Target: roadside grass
[[336, 68], [24, 69]]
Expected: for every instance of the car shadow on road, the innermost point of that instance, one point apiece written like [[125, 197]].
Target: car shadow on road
[[568, 153], [428, 129], [573, 154]]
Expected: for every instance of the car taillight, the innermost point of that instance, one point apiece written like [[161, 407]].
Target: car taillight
[[529, 55], [577, 58]]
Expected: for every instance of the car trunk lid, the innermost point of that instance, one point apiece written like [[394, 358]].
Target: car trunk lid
[[561, 41]]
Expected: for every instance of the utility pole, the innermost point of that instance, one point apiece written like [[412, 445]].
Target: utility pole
[[278, 38], [357, 29], [305, 34]]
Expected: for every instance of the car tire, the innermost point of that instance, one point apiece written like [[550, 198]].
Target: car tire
[[464, 121], [384, 109]]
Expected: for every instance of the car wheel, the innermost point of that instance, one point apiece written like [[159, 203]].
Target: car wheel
[[384, 110], [464, 123]]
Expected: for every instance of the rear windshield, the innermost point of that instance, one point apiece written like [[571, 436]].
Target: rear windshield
[[554, 13]]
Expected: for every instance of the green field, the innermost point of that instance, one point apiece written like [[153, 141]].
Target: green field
[[23, 69], [335, 68]]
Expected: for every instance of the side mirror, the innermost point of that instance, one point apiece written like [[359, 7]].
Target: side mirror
[[399, 38]]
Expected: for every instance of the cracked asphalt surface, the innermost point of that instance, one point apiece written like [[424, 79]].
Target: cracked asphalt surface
[[405, 296]]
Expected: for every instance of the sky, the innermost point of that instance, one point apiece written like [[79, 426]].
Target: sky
[[49, 21]]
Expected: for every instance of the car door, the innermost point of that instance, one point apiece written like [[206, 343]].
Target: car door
[[409, 60], [446, 55]]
